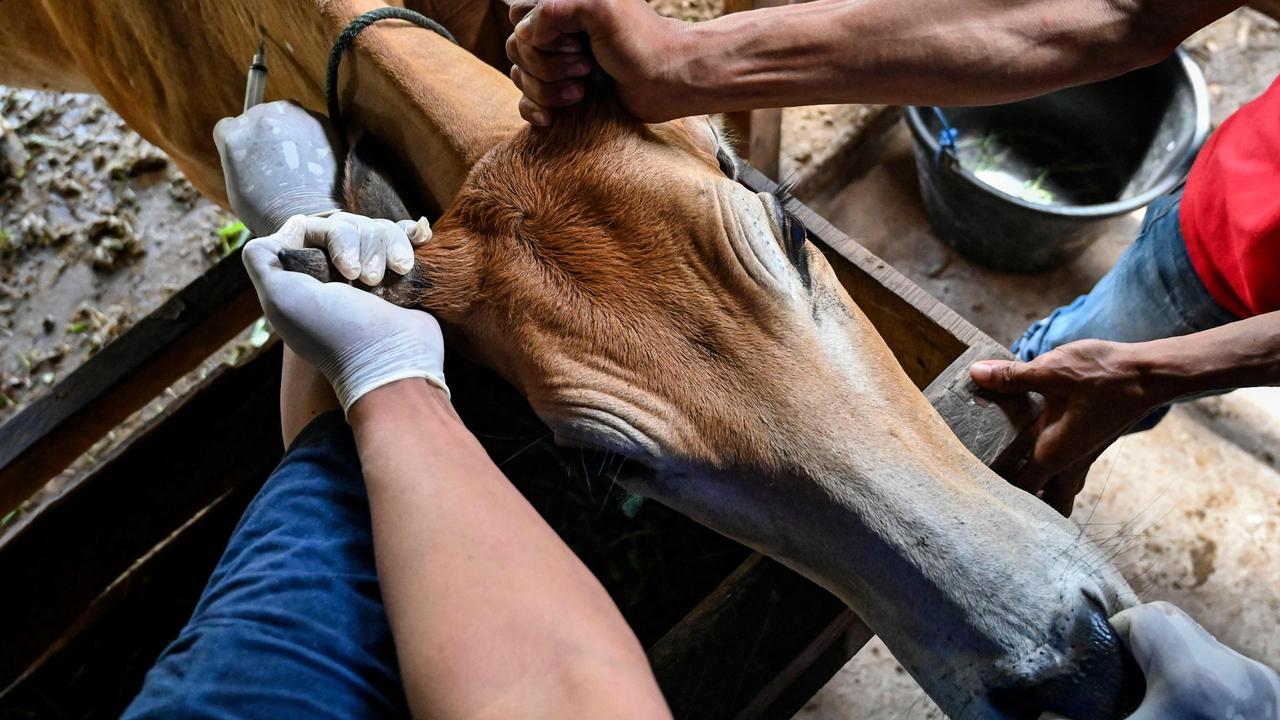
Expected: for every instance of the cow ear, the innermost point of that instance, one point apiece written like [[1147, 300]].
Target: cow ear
[[374, 184], [443, 279], [447, 272]]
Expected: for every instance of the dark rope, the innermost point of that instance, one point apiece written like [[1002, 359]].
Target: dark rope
[[348, 37]]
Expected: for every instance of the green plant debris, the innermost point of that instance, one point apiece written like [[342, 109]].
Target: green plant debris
[[5, 401], [631, 505], [230, 237], [78, 327], [260, 334], [4, 522], [7, 245]]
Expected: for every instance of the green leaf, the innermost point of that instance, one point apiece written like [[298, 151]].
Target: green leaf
[[260, 334], [231, 236], [77, 327]]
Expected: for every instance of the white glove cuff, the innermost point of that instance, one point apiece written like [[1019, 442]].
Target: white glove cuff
[[400, 356]]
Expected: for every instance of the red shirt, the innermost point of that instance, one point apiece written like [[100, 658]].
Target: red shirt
[[1230, 212]]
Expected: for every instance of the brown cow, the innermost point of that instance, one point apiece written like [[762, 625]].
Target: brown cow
[[648, 304]]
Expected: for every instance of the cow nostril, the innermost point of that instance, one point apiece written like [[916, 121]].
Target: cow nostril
[[1096, 678]]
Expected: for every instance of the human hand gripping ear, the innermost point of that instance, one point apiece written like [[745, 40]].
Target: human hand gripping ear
[[558, 43], [358, 341], [1093, 393]]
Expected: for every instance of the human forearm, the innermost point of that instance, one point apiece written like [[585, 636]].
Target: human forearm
[[1240, 354], [492, 615], [918, 52]]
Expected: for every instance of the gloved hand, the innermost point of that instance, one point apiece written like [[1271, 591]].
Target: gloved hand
[[1189, 673], [358, 341], [278, 160]]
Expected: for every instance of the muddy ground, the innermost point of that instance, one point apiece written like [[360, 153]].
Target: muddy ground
[[97, 229]]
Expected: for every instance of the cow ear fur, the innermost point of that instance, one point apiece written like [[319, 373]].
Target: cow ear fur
[[444, 276]]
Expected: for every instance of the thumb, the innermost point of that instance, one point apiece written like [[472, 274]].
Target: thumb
[[1002, 376], [261, 256]]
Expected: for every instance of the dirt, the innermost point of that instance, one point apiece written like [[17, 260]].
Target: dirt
[[97, 228], [692, 10], [1240, 55]]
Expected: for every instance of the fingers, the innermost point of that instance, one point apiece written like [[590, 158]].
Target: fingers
[[548, 57], [548, 94], [1062, 490], [363, 248], [548, 66], [340, 239], [419, 233], [261, 258], [533, 113], [1007, 376], [542, 24]]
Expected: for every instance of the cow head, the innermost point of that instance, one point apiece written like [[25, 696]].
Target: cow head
[[647, 303]]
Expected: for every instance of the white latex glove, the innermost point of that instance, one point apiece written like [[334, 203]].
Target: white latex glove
[[1189, 673], [360, 342], [364, 248], [278, 160]]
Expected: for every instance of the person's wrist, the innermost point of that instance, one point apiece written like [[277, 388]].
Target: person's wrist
[[686, 69], [395, 397], [1157, 382]]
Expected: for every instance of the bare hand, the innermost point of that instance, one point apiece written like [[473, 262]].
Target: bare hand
[[558, 43], [1092, 392]]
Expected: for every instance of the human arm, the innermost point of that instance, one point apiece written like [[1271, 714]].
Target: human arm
[[491, 614], [967, 52], [1095, 390], [1190, 674]]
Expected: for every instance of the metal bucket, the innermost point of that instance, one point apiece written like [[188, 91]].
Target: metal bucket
[[1027, 182]]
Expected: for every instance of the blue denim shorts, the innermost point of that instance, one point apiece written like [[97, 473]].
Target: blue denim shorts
[[291, 624], [1152, 292]]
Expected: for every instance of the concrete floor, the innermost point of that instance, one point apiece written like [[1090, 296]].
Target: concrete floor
[[1190, 511]]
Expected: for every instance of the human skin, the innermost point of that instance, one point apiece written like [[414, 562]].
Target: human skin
[[1095, 390], [492, 615], [969, 52]]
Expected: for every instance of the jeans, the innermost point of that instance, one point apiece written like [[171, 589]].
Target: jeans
[[291, 624], [1152, 292]]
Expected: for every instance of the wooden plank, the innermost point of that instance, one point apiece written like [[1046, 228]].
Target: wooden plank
[[222, 435], [96, 666], [743, 645], [46, 436], [992, 426]]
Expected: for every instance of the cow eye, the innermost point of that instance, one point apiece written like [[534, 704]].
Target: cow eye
[[727, 166], [795, 236]]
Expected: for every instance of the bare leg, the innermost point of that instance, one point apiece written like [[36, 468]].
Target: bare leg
[[304, 395]]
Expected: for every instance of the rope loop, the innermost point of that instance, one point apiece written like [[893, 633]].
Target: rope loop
[[348, 37]]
